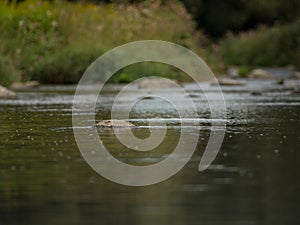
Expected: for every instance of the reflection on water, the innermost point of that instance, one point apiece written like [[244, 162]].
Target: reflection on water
[[253, 180]]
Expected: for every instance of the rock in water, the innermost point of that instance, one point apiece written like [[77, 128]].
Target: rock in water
[[280, 82], [5, 93], [228, 82], [256, 93], [27, 84], [260, 74], [272, 73], [114, 123], [156, 83]]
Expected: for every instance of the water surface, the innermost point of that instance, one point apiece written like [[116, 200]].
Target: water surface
[[253, 180]]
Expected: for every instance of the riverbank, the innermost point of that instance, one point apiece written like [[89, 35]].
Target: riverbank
[[55, 42]]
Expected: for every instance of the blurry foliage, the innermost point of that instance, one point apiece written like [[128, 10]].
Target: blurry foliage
[[275, 46], [146, 69], [251, 33], [8, 73], [217, 17], [55, 41], [244, 70]]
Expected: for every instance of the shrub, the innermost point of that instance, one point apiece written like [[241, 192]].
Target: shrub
[[55, 41], [275, 46]]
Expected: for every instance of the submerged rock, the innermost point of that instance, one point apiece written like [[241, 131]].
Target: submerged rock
[[149, 97], [280, 82], [256, 93], [192, 95], [114, 123], [5, 93], [27, 84]]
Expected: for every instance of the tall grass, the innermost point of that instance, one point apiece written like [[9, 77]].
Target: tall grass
[[54, 42]]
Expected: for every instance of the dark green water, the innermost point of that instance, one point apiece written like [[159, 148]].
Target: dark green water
[[254, 179]]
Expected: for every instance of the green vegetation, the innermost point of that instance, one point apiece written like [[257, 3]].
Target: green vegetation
[[217, 17], [146, 69], [54, 42], [275, 46]]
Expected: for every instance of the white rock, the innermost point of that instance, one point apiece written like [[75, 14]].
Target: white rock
[[260, 74], [156, 83], [5, 93]]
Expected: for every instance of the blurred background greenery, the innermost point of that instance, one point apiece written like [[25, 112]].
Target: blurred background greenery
[[54, 41]]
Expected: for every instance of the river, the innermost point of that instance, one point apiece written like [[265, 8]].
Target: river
[[253, 180]]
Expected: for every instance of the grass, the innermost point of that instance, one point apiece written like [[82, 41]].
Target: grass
[[274, 46], [54, 42]]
